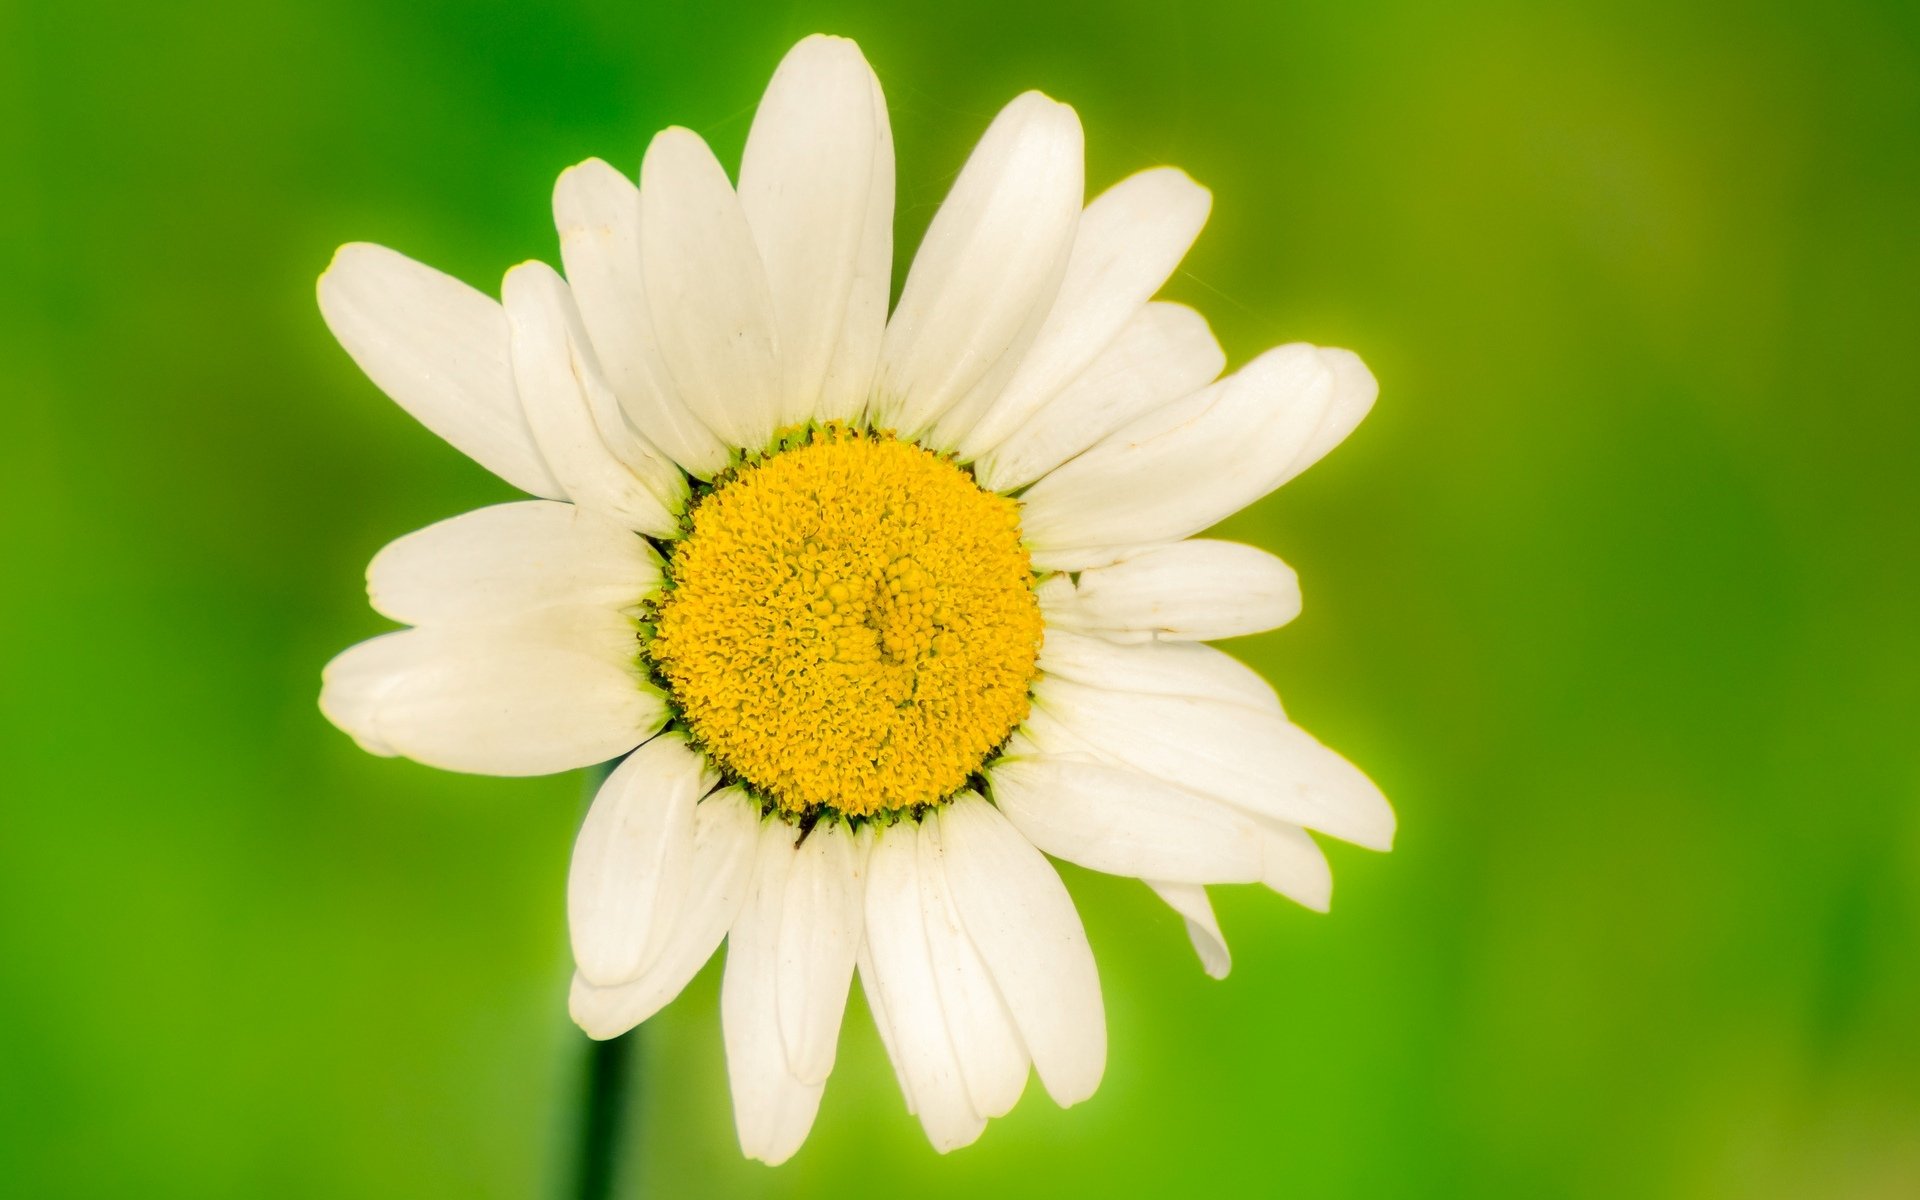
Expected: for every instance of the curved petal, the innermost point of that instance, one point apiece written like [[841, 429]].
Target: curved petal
[[1354, 391], [897, 972], [1024, 925], [773, 1110], [597, 212], [1295, 867], [707, 292], [726, 829], [1223, 749], [1196, 590], [356, 683], [495, 699], [1203, 929], [1121, 822], [439, 348], [629, 869], [1129, 240], [1159, 668], [1165, 352], [1177, 471], [598, 459], [993, 1061], [511, 558], [987, 273], [816, 184]]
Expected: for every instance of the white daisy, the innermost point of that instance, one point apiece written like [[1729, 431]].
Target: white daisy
[[892, 606]]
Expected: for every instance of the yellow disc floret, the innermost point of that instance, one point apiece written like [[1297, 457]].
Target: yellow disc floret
[[850, 625]]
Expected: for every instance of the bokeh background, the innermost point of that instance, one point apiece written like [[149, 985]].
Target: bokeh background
[[1615, 593]]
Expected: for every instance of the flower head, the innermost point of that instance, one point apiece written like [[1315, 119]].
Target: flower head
[[880, 608]]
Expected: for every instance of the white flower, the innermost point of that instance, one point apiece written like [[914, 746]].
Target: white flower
[[835, 573]]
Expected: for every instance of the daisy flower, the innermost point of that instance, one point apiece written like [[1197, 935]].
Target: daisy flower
[[882, 608]]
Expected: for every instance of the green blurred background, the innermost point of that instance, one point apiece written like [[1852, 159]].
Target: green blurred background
[[1615, 593]]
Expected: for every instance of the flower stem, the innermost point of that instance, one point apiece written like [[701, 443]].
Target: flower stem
[[611, 1080]]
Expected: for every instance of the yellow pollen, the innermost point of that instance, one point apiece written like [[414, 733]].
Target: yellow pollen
[[850, 625]]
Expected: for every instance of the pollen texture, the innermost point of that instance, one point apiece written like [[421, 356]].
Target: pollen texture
[[850, 625]]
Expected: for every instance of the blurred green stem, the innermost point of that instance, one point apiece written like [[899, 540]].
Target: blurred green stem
[[610, 1080]]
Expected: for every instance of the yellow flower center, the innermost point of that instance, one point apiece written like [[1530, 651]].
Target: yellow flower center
[[850, 625]]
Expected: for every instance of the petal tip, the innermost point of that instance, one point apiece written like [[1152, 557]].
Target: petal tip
[[1037, 108], [347, 259], [524, 275], [675, 139], [583, 171], [825, 44], [596, 1028], [1355, 387]]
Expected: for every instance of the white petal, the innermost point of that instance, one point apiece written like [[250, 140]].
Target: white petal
[[1203, 930], [821, 922], [987, 273], [1226, 750], [772, 1109], [1179, 470], [707, 292], [882, 1024], [1121, 822], [816, 184], [1164, 668], [355, 684], [1165, 352], [597, 211], [628, 875], [1196, 590], [1024, 925], [898, 975], [1129, 240], [511, 558], [1296, 867], [494, 699], [725, 832], [863, 962], [1354, 389], [603, 465], [993, 1060], [439, 348]]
